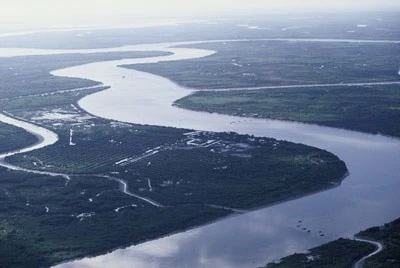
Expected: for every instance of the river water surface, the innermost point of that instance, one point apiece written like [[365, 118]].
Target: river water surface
[[367, 197]]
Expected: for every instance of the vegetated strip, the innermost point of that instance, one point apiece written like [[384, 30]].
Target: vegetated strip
[[306, 86], [373, 109]]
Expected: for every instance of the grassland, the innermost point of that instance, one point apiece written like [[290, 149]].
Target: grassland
[[343, 253]]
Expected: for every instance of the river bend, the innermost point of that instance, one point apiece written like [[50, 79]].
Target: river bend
[[368, 197]]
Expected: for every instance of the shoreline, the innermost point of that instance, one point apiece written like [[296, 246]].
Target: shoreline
[[207, 223], [217, 219], [35, 129], [377, 244], [189, 91], [232, 214]]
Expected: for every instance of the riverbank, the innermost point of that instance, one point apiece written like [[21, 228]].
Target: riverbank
[[280, 220], [44, 136], [352, 146], [362, 251], [342, 85], [368, 108], [94, 206]]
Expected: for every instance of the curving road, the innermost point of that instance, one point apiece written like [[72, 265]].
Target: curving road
[[379, 248], [125, 190]]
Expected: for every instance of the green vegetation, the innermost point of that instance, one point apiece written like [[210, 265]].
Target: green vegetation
[[343, 253], [44, 221], [29, 75], [202, 175], [389, 235], [96, 147], [374, 109], [20, 138], [221, 169], [381, 25], [274, 63]]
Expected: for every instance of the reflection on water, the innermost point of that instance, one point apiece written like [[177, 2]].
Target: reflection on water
[[368, 197]]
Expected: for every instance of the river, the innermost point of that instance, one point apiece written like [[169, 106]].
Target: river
[[368, 197], [45, 138]]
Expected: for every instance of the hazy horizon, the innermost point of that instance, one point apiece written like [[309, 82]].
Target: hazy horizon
[[27, 12]]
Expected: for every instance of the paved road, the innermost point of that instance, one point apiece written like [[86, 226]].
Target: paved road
[[379, 248]]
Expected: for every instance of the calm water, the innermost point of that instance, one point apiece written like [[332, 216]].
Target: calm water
[[368, 197]]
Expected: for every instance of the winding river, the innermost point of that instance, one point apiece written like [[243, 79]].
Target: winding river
[[368, 197], [45, 138]]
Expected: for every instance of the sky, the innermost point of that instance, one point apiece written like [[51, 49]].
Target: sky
[[27, 11]]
